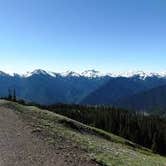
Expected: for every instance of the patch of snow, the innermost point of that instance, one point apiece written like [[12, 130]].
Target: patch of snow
[[38, 72], [4, 74], [89, 74], [70, 74], [92, 74], [140, 74]]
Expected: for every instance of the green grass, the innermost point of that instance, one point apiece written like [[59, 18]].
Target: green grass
[[105, 148]]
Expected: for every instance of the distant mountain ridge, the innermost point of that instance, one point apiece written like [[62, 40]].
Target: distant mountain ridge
[[90, 73], [127, 92], [45, 87], [153, 100], [86, 73], [88, 87]]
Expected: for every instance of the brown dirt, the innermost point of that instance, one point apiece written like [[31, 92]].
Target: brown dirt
[[19, 146]]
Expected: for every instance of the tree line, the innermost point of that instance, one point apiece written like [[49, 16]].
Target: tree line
[[146, 130], [11, 95]]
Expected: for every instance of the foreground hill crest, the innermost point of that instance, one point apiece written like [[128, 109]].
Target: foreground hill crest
[[52, 139]]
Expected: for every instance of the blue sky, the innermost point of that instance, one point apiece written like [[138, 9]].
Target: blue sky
[[59, 35]]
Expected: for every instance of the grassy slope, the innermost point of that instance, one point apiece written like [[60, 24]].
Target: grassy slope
[[105, 148]]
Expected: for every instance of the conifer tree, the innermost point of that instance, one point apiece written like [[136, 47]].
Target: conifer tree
[[154, 143], [14, 95], [9, 95]]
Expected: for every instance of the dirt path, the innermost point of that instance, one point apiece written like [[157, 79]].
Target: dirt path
[[20, 147]]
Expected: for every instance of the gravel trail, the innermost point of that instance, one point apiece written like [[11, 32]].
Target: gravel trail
[[20, 147]]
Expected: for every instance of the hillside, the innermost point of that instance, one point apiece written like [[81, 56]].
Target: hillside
[[39, 136], [153, 100], [121, 87]]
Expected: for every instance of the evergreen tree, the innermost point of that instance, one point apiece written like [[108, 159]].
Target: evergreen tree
[[154, 143], [148, 131], [14, 95], [9, 94]]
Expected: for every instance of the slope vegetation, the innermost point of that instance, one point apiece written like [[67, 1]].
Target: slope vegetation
[[153, 100], [69, 142], [120, 88]]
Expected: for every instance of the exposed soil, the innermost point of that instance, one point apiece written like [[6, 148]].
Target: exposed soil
[[20, 145]]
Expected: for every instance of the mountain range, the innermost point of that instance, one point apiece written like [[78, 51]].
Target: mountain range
[[48, 87], [133, 90]]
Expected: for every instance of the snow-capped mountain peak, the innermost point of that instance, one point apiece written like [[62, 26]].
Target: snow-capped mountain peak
[[140, 74], [89, 74], [39, 72], [70, 74], [3, 73], [92, 73]]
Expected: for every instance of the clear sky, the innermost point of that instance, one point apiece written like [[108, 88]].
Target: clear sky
[[59, 35]]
